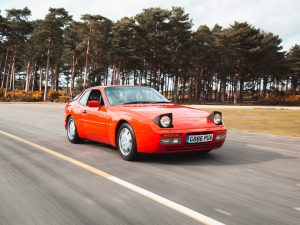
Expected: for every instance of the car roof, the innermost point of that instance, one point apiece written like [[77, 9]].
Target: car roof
[[105, 86]]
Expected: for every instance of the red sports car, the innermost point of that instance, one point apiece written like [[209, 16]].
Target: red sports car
[[139, 119]]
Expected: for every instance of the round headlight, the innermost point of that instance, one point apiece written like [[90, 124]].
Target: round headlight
[[217, 118], [165, 121]]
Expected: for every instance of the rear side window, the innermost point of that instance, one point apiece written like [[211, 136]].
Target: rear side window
[[84, 97]]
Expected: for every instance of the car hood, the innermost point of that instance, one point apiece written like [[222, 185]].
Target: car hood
[[151, 111], [183, 117]]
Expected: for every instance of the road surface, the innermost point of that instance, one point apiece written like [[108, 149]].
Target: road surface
[[253, 179]]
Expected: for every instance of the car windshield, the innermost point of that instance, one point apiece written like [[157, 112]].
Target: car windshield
[[133, 95]]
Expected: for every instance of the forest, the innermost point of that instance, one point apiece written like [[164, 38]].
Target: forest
[[158, 47]]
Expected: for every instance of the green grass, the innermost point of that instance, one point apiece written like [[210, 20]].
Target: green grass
[[269, 121]]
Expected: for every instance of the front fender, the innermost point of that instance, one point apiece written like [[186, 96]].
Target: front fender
[[140, 125]]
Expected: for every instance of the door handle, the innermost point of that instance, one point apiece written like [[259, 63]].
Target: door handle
[[84, 111]]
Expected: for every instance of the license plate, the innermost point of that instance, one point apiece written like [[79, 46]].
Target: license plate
[[199, 138]]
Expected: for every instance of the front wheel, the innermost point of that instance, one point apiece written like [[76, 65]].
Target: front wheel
[[72, 131], [126, 142]]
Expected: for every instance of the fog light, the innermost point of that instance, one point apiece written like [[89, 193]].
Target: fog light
[[170, 140], [165, 140], [220, 137], [176, 140]]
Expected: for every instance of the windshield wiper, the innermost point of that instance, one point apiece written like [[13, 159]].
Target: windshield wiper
[[137, 102], [162, 102], [145, 102]]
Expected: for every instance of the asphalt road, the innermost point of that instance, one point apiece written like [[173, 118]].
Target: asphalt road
[[253, 179]]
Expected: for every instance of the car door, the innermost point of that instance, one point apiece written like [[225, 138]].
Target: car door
[[95, 118], [80, 115]]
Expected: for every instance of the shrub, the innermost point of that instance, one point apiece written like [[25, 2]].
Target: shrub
[[64, 96], [58, 96], [1, 93], [33, 96], [37, 96], [22, 96], [17, 95], [293, 100], [53, 95], [290, 100]]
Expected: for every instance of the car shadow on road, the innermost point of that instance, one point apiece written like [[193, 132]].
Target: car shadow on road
[[219, 157], [227, 155]]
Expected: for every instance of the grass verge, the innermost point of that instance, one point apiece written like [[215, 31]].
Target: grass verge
[[269, 121]]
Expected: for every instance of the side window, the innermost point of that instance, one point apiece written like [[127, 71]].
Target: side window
[[96, 96], [84, 98]]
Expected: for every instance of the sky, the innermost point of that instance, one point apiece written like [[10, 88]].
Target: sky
[[281, 17]]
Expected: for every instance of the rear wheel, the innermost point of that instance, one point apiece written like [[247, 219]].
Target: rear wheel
[[72, 131], [126, 142]]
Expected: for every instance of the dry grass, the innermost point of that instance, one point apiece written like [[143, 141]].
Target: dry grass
[[270, 121]]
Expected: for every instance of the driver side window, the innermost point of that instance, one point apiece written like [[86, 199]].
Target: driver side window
[[96, 96]]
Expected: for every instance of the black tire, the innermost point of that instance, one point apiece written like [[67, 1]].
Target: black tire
[[132, 153], [73, 138]]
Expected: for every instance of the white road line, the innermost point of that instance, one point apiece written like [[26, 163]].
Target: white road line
[[297, 208], [298, 185], [148, 194], [223, 212]]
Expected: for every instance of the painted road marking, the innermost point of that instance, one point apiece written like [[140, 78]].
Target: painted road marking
[[148, 194], [297, 208], [223, 212]]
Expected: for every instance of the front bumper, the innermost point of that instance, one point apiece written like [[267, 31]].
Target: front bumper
[[150, 142]]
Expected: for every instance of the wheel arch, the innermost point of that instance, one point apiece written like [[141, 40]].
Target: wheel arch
[[120, 122], [66, 120]]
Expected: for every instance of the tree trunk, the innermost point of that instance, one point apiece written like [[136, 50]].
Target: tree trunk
[[33, 86], [1, 74], [12, 71], [41, 78], [27, 76], [241, 96], [4, 77], [197, 84], [140, 78], [158, 79], [118, 73], [162, 83], [265, 82], [183, 91], [47, 71], [113, 74], [51, 78], [56, 76], [106, 75], [175, 91], [74, 60], [86, 64], [235, 94], [222, 90], [201, 85], [190, 89]]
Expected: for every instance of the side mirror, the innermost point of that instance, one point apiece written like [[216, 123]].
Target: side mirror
[[94, 104]]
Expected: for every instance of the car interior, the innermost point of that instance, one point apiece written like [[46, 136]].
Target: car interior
[[95, 95]]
